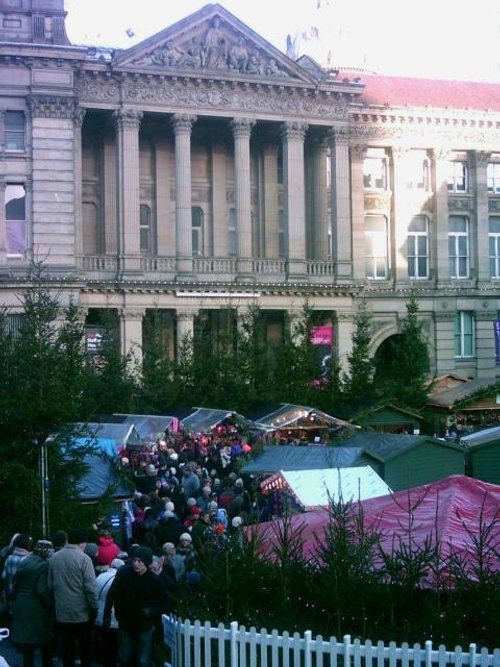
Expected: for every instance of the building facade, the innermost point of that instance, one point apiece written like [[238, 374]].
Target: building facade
[[202, 171]]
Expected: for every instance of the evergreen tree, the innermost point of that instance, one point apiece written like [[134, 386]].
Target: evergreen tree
[[358, 383], [157, 393], [41, 381], [403, 368], [111, 378], [253, 360]]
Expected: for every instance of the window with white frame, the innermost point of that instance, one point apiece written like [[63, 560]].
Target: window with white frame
[[197, 231], [232, 247], [15, 219], [493, 177], [464, 343], [458, 246], [376, 244], [418, 248], [457, 176], [145, 229], [419, 171], [375, 171], [494, 246], [14, 130]]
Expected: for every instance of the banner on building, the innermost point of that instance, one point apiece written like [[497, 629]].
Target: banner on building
[[496, 329], [321, 338], [93, 340]]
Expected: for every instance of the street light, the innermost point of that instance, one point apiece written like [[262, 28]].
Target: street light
[[44, 480]]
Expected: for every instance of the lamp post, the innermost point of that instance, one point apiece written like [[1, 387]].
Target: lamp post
[[44, 480]]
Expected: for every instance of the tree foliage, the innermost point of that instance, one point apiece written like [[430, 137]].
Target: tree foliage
[[403, 363], [358, 382]]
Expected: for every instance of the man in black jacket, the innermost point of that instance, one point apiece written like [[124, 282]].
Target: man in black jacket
[[139, 598]]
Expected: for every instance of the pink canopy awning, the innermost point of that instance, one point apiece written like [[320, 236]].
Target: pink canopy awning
[[451, 513]]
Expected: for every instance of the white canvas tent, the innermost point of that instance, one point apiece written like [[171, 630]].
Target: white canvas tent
[[313, 489]]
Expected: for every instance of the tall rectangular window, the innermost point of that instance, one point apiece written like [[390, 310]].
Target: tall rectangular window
[[464, 334], [14, 131], [15, 219], [232, 243], [494, 246], [457, 176], [493, 176], [282, 235], [197, 231], [458, 246], [145, 229], [376, 247], [418, 248], [375, 173], [418, 171]]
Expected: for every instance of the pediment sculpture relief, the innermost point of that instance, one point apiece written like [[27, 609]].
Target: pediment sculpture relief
[[214, 50]]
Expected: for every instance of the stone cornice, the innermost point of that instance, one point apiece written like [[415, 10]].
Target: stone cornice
[[52, 106], [195, 93], [441, 125]]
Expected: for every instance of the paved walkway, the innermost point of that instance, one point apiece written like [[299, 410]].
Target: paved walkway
[[14, 659]]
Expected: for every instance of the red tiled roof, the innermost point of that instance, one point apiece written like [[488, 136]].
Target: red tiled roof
[[403, 91]]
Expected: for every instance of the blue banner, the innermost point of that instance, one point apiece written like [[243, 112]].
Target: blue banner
[[496, 329]]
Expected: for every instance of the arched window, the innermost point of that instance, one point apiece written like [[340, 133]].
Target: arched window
[[197, 231]]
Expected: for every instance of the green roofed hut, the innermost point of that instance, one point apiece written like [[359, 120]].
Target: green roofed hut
[[403, 461], [482, 454]]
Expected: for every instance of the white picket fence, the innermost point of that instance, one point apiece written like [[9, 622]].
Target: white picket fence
[[201, 645]]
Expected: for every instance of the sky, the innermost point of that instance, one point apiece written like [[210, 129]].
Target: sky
[[429, 38]]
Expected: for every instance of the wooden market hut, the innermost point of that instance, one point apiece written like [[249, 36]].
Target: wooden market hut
[[482, 454], [403, 461]]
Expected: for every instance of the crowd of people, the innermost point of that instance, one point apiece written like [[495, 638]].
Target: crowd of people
[[101, 591]]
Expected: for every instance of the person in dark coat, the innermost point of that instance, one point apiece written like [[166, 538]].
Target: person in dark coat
[[33, 612], [139, 598]]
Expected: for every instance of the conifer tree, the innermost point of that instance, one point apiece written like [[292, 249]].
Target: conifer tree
[[403, 368], [358, 382]]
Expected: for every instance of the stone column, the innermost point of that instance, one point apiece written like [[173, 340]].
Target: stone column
[[3, 225], [270, 195], [110, 197], [343, 333], [358, 154], [401, 213], [340, 203], [241, 129], [184, 328], [319, 202], [77, 158], [444, 319], [293, 135], [182, 124], [439, 240], [127, 135], [131, 334], [485, 343], [480, 246]]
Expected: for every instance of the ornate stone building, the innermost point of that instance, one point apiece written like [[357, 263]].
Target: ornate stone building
[[202, 170]]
